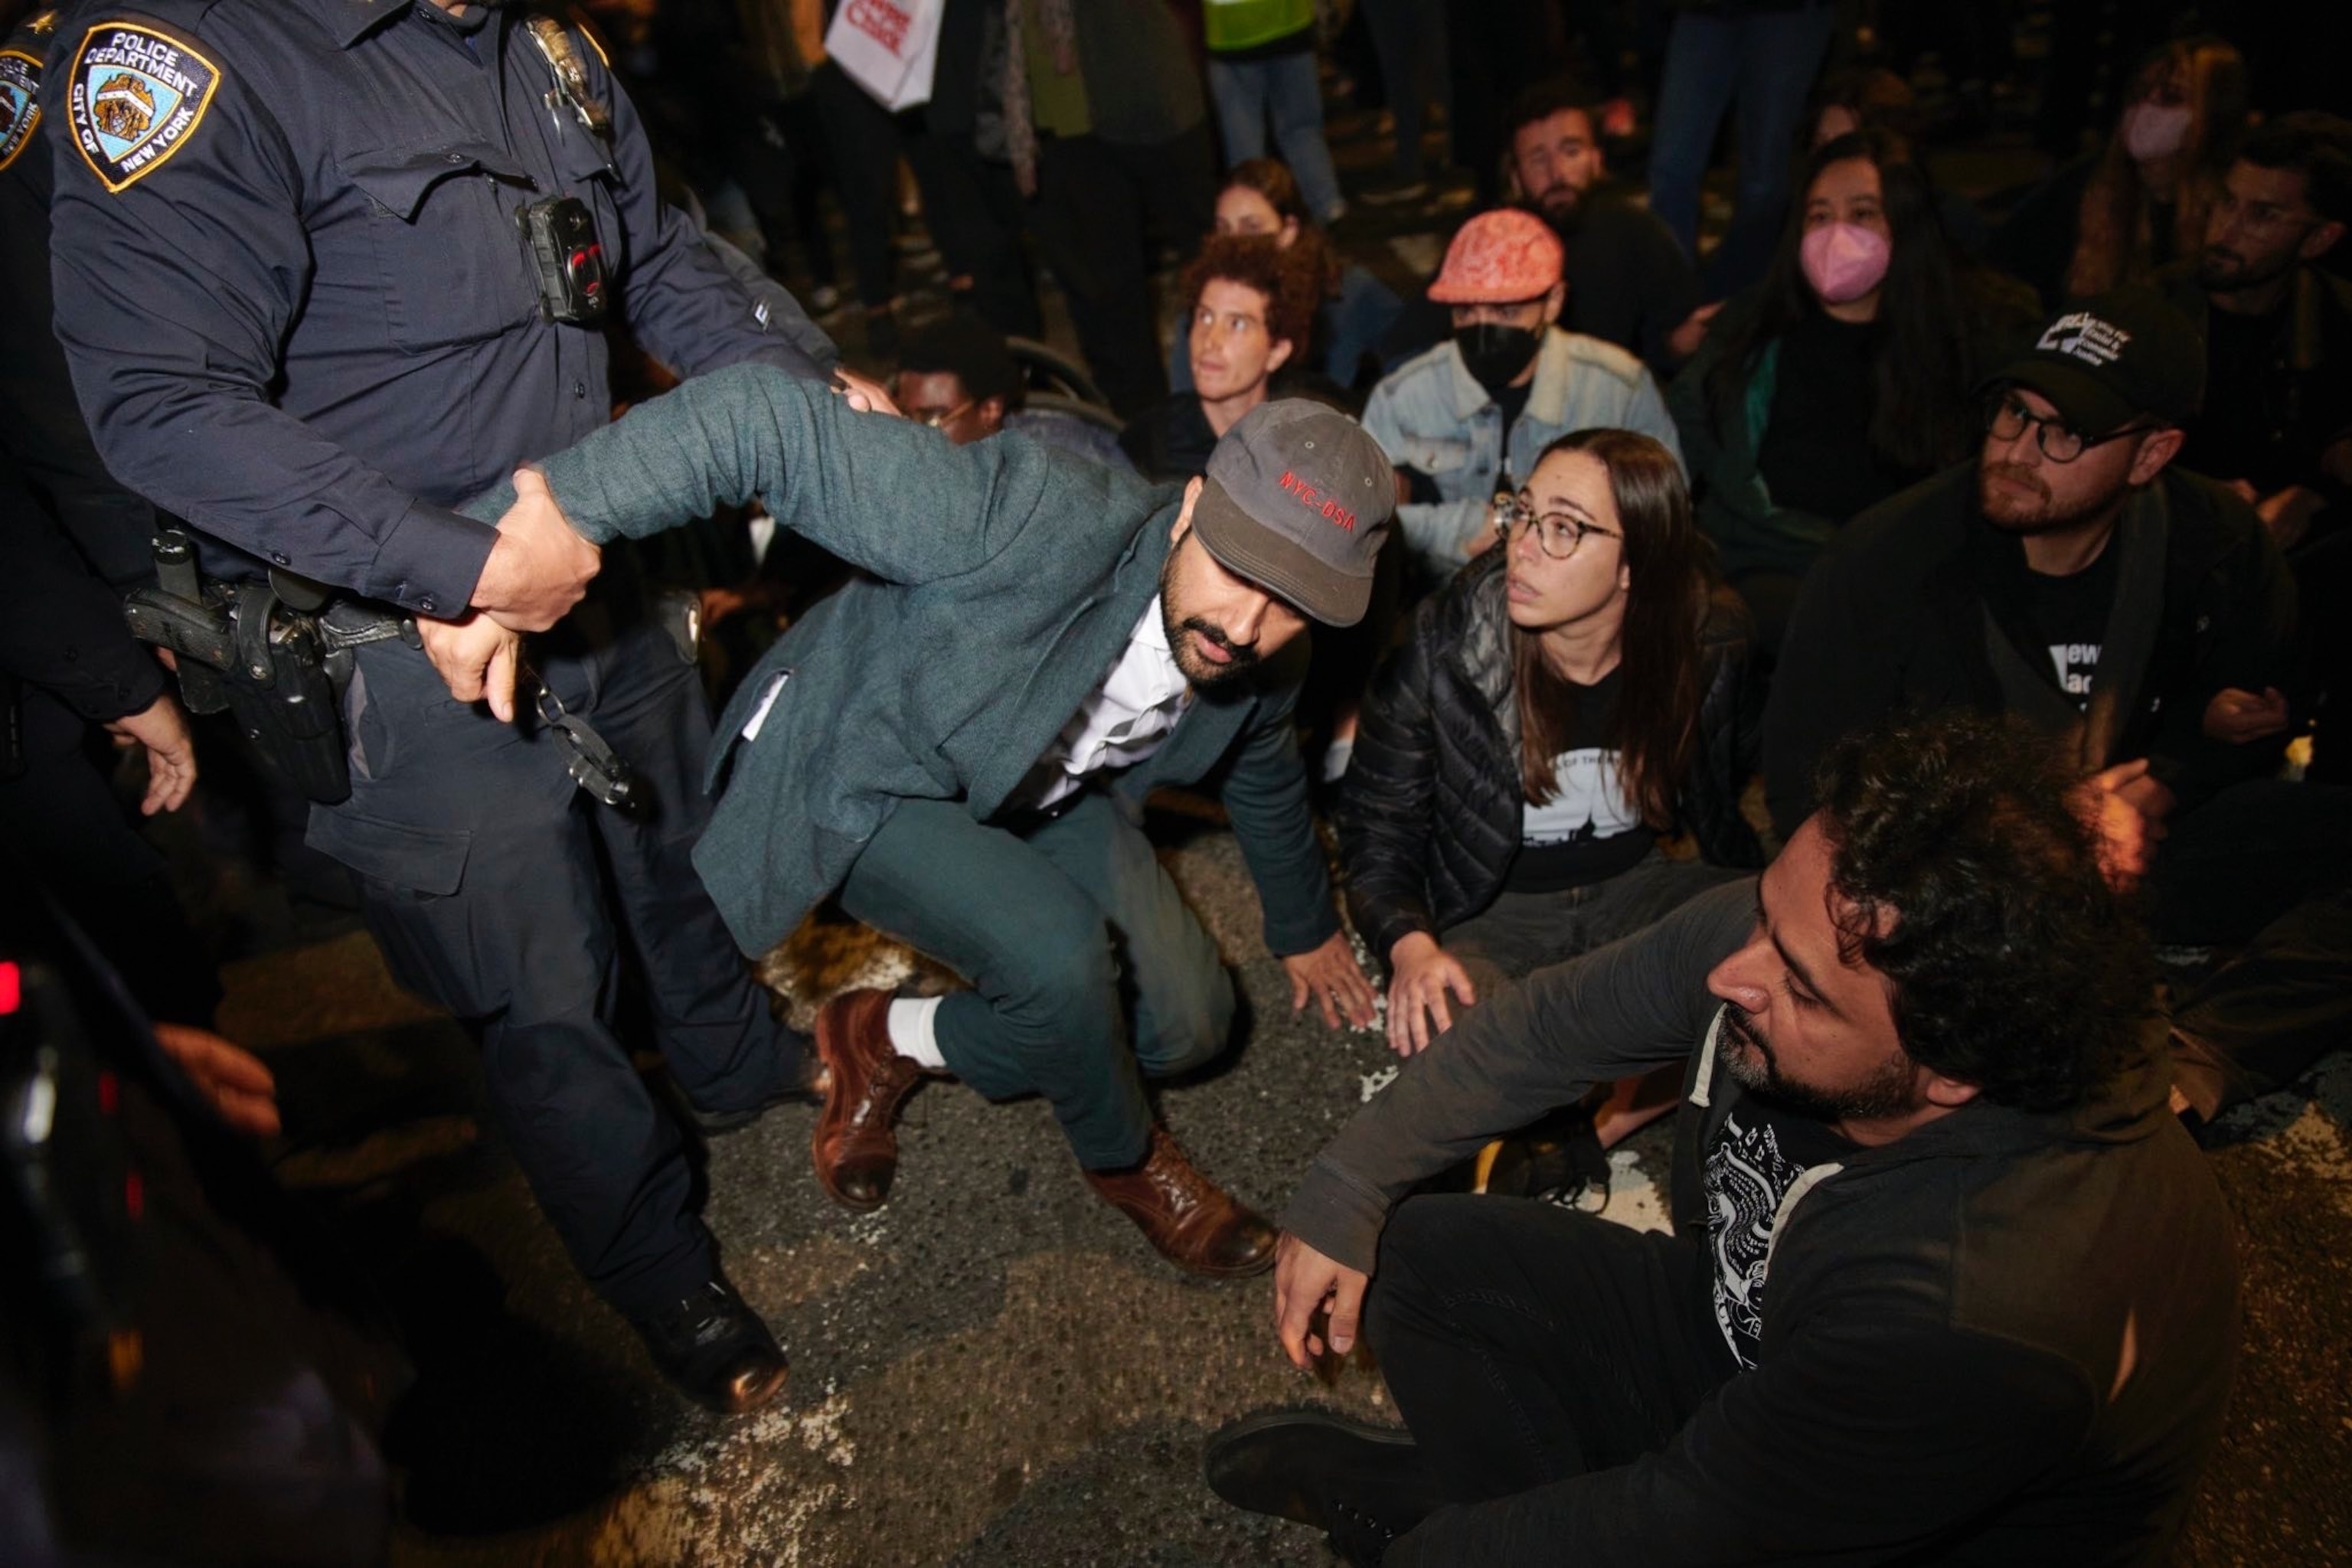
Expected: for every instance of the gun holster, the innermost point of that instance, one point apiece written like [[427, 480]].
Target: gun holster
[[240, 651]]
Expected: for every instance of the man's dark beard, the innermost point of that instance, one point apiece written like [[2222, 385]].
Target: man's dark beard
[[1243, 661], [2224, 280], [2049, 522], [1565, 222], [1754, 1070]]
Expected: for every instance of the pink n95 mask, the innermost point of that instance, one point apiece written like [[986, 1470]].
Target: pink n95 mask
[[1844, 261]]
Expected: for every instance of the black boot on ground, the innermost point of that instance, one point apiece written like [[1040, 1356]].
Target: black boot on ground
[[715, 1350], [1363, 1485]]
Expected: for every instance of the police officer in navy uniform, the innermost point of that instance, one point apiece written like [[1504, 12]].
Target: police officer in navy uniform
[[323, 268]]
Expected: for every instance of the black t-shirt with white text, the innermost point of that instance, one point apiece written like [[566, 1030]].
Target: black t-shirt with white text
[[1588, 831], [2058, 623]]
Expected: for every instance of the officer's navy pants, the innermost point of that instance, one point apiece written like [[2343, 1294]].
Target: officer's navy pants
[[500, 891], [1065, 930]]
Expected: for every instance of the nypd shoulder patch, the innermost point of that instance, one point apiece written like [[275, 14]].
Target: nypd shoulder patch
[[137, 97], [20, 102]]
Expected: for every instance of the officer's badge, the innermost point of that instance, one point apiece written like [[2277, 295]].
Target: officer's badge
[[138, 95], [20, 102]]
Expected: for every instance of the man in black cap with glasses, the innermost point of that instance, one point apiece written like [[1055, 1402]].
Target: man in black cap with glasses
[[2140, 617]]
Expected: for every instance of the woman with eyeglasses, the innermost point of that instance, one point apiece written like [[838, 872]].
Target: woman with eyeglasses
[[1570, 698]]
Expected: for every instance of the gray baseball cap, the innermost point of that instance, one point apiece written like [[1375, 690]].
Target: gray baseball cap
[[1298, 499]]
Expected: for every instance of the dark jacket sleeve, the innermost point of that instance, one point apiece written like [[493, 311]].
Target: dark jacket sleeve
[[1387, 800], [682, 303], [1840, 671], [1265, 792], [61, 628], [173, 298], [2248, 601], [1615, 1013], [1730, 739], [1816, 1455]]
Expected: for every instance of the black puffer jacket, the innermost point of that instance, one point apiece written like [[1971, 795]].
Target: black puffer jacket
[[1429, 813]]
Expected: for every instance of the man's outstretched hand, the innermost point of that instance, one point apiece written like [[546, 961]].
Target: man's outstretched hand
[[1304, 1281], [477, 657], [1330, 976], [540, 567]]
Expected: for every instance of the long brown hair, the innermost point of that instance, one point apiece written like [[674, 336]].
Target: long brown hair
[[1656, 730], [2113, 243], [1924, 415]]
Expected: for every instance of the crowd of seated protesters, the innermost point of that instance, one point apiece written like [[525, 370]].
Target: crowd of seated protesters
[[2003, 561]]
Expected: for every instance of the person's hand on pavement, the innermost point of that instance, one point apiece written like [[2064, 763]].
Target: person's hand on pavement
[[1330, 976], [1419, 975], [1303, 1281]]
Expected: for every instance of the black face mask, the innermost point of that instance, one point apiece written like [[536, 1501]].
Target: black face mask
[[1495, 353]]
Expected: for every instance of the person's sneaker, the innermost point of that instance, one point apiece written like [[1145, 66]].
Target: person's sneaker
[[1363, 1485], [715, 1350], [1388, 187]]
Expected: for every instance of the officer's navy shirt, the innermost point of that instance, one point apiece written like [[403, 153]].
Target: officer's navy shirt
[[309, 324]]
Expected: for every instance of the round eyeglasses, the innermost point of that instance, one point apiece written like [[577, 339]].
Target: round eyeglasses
[[2005, 419], [941, 418], [1558, 534]]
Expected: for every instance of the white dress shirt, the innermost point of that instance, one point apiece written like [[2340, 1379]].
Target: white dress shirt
[[1120, 724]]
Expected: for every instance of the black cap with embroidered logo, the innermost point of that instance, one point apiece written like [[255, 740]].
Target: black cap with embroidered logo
[[1298, 499], [2106, 361]]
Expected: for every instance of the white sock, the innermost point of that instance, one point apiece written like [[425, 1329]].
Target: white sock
[[910, 1030]]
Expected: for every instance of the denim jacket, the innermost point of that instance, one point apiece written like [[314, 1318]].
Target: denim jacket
[[1432, 416]]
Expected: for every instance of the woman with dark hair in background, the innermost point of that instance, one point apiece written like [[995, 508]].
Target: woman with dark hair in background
[[1260, 197], [2118, 214], [1872, 98], [1563, 702], [1846, 374]]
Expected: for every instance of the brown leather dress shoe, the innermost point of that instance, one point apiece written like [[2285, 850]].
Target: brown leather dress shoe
[[856, 1145], [1195, 1224]]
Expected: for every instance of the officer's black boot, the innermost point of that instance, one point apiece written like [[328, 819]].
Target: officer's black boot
[[715, 1350]]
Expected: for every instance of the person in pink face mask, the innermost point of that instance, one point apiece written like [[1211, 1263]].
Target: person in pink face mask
[[1840, 378], [2116, 215]]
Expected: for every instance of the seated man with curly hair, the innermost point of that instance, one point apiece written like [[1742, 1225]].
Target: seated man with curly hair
[[1253, 305], [1947, 1282]]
